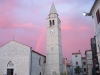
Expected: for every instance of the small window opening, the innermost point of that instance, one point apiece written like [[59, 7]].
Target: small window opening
[[40, 61], [84, 69], [40, 73], [84, 63], [76, 63], [75, 55], [98, 16], [10, 64], [50, 23], [53, 22], [51, 48]]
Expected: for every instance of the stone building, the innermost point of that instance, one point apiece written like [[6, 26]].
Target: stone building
[[84, 66], [53, 43], [69, 68], [95, 13], [19, 59], [89, 63]]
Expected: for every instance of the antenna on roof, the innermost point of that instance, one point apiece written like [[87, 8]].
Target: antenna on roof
[[79, 51], [13, 38]]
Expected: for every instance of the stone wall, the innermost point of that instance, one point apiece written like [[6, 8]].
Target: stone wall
[[16, 56]]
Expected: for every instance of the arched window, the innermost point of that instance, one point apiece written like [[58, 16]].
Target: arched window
[[40, 61], [10, 64], [53, 22], [50, 23]]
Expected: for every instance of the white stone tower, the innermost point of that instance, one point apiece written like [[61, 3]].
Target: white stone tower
[[53, 43]]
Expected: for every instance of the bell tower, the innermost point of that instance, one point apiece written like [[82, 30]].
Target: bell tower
[[53, 43]]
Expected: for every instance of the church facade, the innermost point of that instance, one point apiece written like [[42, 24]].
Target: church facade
[[19, 59]]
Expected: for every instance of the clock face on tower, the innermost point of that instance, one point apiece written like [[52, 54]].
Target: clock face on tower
[[51, 31]]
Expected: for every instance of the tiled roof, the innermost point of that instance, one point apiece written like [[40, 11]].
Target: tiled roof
[[83, 57], [75, 53], [17, 42], [38, 53], [24, 45], [87, 51]]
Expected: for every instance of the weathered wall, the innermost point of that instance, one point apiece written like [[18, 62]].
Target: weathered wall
[[18, 54], [36, 67]]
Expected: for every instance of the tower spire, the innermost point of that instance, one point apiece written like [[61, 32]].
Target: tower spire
[[53, 9]]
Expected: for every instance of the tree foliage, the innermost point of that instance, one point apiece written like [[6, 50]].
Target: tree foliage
[[78, 70], [64, 73]]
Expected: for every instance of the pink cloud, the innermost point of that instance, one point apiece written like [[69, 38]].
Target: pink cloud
[[26, 21], [66, 27], [85, 28]]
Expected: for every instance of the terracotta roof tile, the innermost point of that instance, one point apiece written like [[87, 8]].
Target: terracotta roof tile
[[75, 53]]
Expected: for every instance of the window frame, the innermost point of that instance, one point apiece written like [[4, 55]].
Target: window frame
[[98, 16], [53, 22], [50, 23], [76, 62], [84, 63], [84, 69]]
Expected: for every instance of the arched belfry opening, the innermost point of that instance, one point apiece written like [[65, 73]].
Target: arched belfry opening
[[50, 23], [53, 22]]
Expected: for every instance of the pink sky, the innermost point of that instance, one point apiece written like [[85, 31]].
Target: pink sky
[[26, 21]]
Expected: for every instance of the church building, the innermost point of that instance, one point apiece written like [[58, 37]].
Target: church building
[[19, 59]]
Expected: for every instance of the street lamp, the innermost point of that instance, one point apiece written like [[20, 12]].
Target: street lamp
[[87, 14]]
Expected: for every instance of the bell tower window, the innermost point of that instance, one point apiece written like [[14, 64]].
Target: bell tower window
[[50, 23], [53, 22]]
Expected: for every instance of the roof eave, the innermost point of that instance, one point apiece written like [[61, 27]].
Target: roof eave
[[93, 6]]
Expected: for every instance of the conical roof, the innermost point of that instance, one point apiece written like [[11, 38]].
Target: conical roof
[[53, 9]]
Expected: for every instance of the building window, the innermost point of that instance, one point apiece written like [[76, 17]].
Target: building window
[[84, 69], [75, 55], [40, 73], [84, 63], [53, 22], [76, 63], [51, 48], [50, 23], [40, 61], [98, 16], [10, 64]]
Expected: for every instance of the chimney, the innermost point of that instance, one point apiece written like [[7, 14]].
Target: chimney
[[79, 51]]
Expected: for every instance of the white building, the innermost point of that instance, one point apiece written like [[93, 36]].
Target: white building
[[84, 66], [95, 13], [20, 59], [76, 61], [89, 63]]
